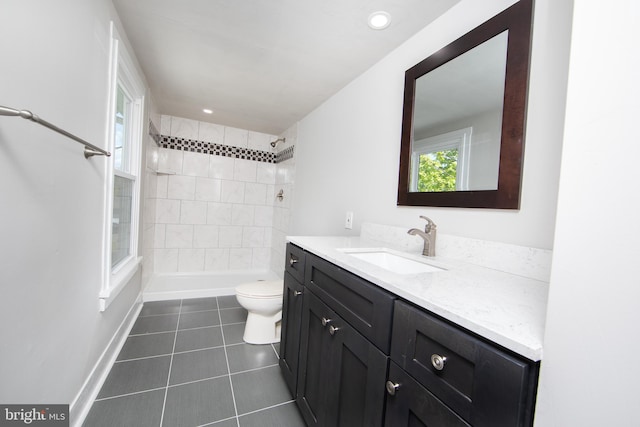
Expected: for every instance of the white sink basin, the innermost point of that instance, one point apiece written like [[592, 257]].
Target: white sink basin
[[391, 261]]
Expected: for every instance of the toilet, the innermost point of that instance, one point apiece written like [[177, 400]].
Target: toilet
[[263, 301]]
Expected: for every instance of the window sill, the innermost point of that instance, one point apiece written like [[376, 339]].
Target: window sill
[[118, 281]]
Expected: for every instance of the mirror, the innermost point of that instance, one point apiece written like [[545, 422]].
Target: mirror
[[464, 118]]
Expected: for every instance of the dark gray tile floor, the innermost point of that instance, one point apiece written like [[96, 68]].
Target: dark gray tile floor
[[185, 364]]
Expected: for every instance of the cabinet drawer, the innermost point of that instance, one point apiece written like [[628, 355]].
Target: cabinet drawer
[[294, 262], [368, 308], [412, 405], [482, 383]]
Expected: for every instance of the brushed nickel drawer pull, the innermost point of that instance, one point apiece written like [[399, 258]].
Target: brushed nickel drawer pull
[[392, 387], [438, 361], [292, 261], [325, 321], [333, 330], [297, 293]]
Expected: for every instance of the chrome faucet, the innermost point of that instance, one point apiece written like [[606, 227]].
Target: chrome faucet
[[429, 236]]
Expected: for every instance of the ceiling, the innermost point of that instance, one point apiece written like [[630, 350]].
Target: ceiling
[[261, 65]]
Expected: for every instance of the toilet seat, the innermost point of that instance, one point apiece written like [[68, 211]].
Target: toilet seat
[[268, 289]]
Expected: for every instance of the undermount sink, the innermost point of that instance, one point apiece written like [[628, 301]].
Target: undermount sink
[[391, 261]]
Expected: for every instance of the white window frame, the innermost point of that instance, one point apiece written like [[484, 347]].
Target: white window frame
[[123, 72], [458, 139]]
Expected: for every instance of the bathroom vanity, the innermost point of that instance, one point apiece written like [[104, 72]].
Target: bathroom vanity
[[364, 344]]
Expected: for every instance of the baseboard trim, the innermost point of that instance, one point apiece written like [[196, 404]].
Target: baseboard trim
[[79, 408]]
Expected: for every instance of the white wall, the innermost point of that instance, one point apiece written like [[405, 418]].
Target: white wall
[[348, 148], [55, 62], [590, 370]]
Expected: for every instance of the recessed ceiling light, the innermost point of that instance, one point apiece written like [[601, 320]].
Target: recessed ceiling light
[[207, 111], [379, 20]]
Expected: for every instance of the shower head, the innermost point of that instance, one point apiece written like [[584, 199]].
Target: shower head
[[274, 143]]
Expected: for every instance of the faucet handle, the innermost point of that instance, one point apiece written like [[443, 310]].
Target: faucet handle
[[430, 224]]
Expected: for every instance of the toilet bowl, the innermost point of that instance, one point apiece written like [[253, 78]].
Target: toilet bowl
[[263, 301]]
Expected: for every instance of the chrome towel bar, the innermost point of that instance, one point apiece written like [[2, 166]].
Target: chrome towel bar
[[89, 149]]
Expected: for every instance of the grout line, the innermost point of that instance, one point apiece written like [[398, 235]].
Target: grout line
[[198, 380], [169, 354], [157, 315], [235, 344], [142, 358], [179, 330], [198, 311], [275, 351], [218, 422], [198, 349], [166, 389], [254, 369], [231, 323], [234, 323], [268, 407], [202, 311], [133, 393], [149, 333], [200, 327], [226, 356]]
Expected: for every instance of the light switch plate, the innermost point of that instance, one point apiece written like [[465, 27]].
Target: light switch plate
[[348, 220]]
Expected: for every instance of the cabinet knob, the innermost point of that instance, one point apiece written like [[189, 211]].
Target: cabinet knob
[[325, 321], [392, 387], [333, 330], [297, 293], [292, 261], [438, 361]]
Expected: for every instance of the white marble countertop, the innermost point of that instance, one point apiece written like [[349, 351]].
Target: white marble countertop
[[504, 308]]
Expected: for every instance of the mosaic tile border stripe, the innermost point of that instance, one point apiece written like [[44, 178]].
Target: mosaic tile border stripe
[[183, 144]]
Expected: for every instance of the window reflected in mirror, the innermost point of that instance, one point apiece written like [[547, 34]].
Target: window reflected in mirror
[[441, 163]]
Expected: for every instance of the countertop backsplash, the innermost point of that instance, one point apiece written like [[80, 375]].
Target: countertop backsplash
[[520, 260]]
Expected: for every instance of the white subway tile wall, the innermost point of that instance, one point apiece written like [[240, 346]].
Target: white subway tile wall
[[205, 212]]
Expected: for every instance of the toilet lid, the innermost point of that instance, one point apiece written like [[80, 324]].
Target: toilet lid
[[266, 289]]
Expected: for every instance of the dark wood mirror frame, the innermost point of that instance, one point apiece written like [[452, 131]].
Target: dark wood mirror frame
[[518, 20]]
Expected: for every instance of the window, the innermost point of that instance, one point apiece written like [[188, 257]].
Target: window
[[124, 182], [441, 163], [126, 112]]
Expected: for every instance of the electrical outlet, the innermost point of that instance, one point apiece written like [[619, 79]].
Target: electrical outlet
[[348, 220]]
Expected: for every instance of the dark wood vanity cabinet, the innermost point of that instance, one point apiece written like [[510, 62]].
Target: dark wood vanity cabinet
[[327, 356], [354, 355]]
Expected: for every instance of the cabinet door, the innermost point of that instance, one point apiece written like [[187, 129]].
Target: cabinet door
[[355, 379], [290, 332], [314, 362], [341, 374], [411, 405]]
